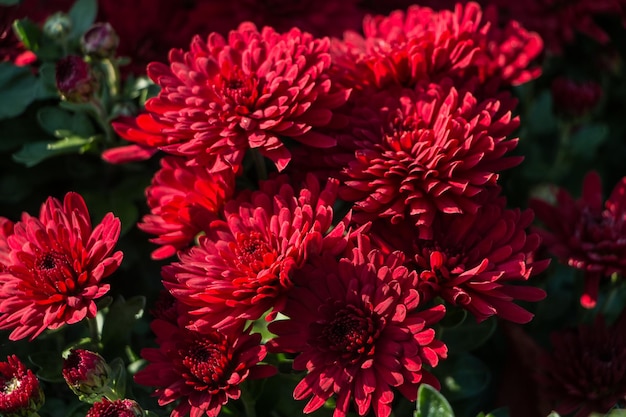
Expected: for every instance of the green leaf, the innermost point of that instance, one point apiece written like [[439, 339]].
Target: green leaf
[[119, 322], [462, 376], [540, 118], [9, 2], [52, 118], [50, 365], [613, 413], [118, 375], [500, 412], [29, 33], [47, 87], [454, 317], [469, 335], [586, 140], [83, 14], [19, 89], [430, 403]]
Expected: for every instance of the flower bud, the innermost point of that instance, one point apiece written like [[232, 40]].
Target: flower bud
[[86, 373], [119, 408], [58, 26], [74, 79], [575, 99], [100, 41], [20, 393]]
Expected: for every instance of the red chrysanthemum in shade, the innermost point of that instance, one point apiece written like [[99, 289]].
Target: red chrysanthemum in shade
[[244, 265], [202, 371], [253, 90], [586, 370], [420, 44], [473, 260], [319, 17], [20, 393], [558, 22], [586, 233], [358, 329], [117, 408], [56, 263], [183, 201], [6, 230], [574, 99], [436, 150]]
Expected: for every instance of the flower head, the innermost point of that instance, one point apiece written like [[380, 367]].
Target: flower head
[[56, 263], [100, 41], [575, 99], [117, 408], [244, 265], [203, 371], [586, 370], [74, 79], [473, 260], [86, 372], [436, 150], [252, 90], [183, 201], [586, 233], [358, 329], [20, 393]]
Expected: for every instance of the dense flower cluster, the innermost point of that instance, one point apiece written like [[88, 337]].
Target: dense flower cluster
[[20, 393], [53, 266]]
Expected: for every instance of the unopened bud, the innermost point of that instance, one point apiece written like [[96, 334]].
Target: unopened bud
[[58, 26], [100, 41], [86, 373], [20, 393], [74, 79]]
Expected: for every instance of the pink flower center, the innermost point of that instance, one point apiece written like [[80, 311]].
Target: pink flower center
[[253, 252], [207, 362], [237, 89], [351, 333]]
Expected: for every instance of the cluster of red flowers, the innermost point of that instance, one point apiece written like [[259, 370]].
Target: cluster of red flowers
[[409, 125]]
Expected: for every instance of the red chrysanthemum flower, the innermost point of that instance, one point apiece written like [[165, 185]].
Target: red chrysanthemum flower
[[437, 150], [358, 330], [203, 371], [244, 265], [252, 90], [574, 99], [586, 371], [587, 234], [86, 373], [55, 267], [183, 201], [473, 260], [558, 22], [117, 408], [6, 230], [421, 44], [20, 393]]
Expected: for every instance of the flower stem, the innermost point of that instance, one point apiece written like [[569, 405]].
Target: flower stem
[[94, 333]]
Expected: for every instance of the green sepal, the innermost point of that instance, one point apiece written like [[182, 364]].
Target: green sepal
[[431, 403]]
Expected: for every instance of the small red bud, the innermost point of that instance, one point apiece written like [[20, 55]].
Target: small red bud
[[74, 79]]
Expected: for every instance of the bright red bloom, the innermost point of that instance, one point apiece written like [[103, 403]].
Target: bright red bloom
[[473, 260], [203, 371], [586, 233], [223, 97], [421, 44], [436, 150], [56, 263], [20, 393], [586, 371], [360, 333], [244, 265], [183, 201], [117, 408], [575, 99]]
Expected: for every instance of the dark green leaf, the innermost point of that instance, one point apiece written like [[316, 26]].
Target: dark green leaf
[[469, 335], [586, 140], [52, 118], [454, 317], [50, 365], [119, 322], [47, 87], [500, 412], [462, 376], [9, 2], [430, 403], [83, 14], [19, 89], [540, 119], [33, 153], [118, 375]]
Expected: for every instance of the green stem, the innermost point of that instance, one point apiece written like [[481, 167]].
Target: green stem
[[94, 333], [113, 76]]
